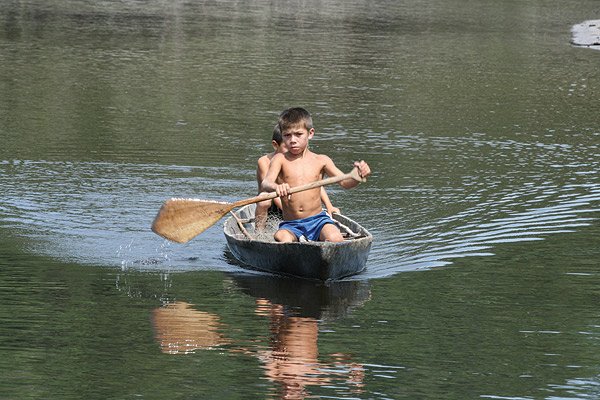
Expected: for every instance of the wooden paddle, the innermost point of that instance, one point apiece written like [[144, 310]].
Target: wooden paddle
[[180, 220]]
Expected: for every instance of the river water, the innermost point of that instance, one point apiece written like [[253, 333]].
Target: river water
[[478, 118]]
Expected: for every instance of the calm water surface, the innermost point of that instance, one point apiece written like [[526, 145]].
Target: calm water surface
[[479, 121]]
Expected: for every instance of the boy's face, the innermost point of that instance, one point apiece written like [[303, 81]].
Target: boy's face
[[279, 147], [296, 138]]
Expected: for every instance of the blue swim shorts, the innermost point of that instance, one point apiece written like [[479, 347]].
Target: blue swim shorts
[[309, 227]]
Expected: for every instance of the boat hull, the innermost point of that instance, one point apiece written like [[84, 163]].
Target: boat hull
[[312, 260]]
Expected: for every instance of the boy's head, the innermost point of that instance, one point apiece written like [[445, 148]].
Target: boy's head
[[277, 134], [277, 140], [293, 117]]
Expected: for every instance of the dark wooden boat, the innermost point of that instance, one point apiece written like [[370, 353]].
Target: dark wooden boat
[[312, 260]]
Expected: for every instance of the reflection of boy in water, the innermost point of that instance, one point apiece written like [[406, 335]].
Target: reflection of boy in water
[[293, 360]]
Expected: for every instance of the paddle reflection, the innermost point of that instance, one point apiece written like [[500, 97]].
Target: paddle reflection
[[179, 329], [290, 357]]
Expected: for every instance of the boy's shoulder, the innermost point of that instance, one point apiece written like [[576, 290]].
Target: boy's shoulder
[[277, 156], [323, 158], [267, 157], [263, 159]]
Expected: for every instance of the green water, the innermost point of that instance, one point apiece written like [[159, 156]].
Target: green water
[[478, 118]]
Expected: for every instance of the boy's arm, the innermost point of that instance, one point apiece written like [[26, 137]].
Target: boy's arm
[[261, 170], [332, 170], [325, 199], [269, 184]]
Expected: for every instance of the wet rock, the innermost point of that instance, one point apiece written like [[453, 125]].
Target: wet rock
[[587, 34]]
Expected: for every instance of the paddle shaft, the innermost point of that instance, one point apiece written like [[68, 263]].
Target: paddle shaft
[[327, 181]]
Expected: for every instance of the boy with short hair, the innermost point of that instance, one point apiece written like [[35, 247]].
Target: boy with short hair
[[274, 206], [302, 211]]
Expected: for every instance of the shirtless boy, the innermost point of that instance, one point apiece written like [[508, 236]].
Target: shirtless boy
[[302, 211], [275, 206]]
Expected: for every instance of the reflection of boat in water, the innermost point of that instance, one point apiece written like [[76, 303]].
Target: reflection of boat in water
[[321, 300], [312, 260]]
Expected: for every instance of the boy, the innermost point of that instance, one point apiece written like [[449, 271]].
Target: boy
[[298, 166], [274, 206]]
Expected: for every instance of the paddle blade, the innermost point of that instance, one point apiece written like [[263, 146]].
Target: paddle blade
[[181, 220]]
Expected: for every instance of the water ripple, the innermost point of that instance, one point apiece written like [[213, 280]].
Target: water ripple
[[99, 214], [437, 244]]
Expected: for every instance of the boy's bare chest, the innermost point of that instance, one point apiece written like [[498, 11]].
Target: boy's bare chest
[[300, 172]]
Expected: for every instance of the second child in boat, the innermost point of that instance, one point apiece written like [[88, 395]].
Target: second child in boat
[[302, 211], [264, 208]]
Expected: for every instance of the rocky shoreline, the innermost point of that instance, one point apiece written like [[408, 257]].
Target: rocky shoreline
[[586, 34]]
